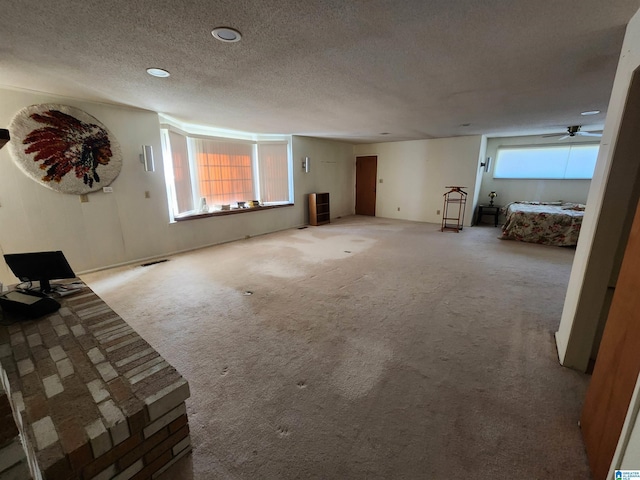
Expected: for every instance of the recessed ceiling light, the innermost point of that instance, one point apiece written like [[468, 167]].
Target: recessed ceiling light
[[158, 72], [226, 34], [590, 112]]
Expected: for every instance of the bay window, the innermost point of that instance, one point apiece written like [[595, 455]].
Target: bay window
[[224, 171]]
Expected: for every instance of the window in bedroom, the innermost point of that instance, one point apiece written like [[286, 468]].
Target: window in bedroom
[[224, 171], [573, 162]]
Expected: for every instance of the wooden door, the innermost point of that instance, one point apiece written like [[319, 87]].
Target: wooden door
[[366, 176], [616, 369]]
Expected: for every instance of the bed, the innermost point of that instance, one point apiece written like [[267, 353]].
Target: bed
[[552, 223]]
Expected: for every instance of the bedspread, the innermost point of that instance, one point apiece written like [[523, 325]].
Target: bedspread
[[548, 224]]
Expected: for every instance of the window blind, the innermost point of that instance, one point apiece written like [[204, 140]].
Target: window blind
[[183, 187], [225, 172]]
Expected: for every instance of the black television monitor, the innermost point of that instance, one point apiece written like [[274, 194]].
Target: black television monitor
[[39, 266]]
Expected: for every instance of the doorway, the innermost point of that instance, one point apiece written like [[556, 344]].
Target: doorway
[[366, 177]]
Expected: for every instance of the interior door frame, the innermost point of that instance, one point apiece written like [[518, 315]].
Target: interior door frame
[[615, 376]]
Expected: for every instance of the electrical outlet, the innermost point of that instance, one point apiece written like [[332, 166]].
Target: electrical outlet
[[147, 194], [437, 212], [107, 189], [84, 198]]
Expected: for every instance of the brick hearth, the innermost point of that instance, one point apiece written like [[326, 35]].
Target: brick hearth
[[90, 397]]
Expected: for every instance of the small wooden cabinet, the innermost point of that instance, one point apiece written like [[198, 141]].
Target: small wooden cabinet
[[319, 213]]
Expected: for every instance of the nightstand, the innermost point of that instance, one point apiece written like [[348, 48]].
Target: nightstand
[[488, 210]]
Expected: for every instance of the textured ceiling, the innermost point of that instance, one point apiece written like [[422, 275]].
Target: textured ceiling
[[330, 68]]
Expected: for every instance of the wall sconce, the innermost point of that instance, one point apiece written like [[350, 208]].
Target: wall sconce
[[486, 164], [306, 164], [4, 136], [146, 157]]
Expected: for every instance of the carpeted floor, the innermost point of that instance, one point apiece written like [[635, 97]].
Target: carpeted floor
[[369, 348]]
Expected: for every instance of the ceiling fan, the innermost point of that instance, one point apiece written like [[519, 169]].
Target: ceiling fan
[[573, 131]]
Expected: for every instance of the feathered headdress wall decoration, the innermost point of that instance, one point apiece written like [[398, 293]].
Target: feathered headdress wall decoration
[[64, 148]]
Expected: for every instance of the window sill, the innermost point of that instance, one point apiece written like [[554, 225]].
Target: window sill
[[235, 211]]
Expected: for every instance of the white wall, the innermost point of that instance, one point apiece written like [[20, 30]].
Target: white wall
[[333, 170], [511, 190], [125, 226], [415, 173]]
